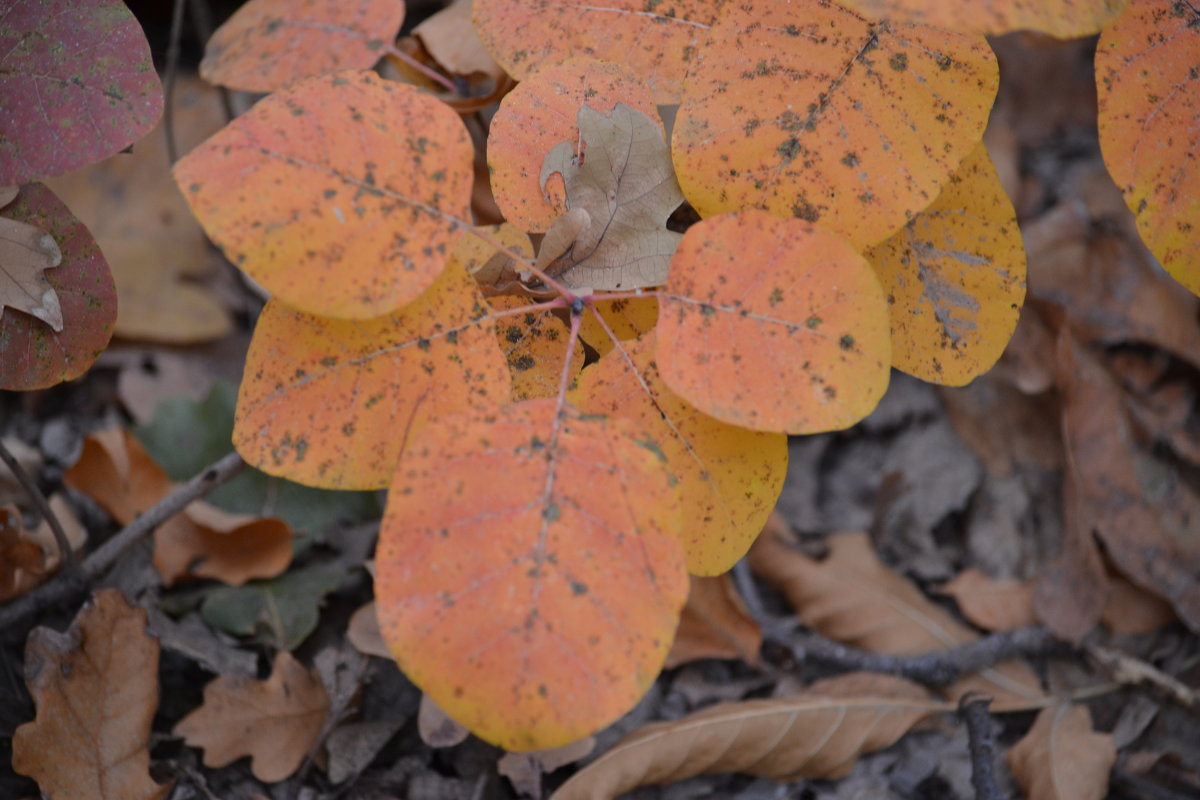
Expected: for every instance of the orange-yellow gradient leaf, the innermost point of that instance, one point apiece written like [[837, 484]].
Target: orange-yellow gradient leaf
[[267, 44], [1148, 80], [328, 402], [773, 324], [343, 195], [529, 576], [729, 477], [493, 269], [808, 110], [655, 40], [628, 318], [540, 113], [955, 278], [535, 344], [1064, 19]]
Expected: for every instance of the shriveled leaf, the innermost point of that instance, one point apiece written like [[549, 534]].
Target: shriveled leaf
[[994, 604], [774, 325], [319, 393], [495, 271], [341, 194], [628, 318], [78, 295], [76, 85], [729, 477], [267, 44], [656, 42], [955, 278], [275, 722], [435, 726], [535, 344], [1062, 758], [22, 562], [539, 114], [1064, 19], [715, 624], [96, 688], [819, 733], [282, 611], [806, 109], [1149, 99], [529, 570]]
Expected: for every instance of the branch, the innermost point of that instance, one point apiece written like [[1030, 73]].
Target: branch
[[981, 739], [43, 506]]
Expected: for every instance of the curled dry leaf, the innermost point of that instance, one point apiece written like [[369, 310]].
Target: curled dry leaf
[[275, 722], [994, 604], [715, 624], [1062, 758], [819, 733], [1064, 19], [96, 688]]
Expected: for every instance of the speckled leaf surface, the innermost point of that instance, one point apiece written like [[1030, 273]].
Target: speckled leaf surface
[[654, 40], [627, 318], [809, 110], [729, 477], [328, 402], [343, 194], [535, 345], [541, 112], [32, 356], [774, 325], [76, 85], [267, 44], [955, 278], [1148, 81], [529, 574], [1064, 19]]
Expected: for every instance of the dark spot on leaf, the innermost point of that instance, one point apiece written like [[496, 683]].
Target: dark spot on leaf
[[523, 362], [846, 342]]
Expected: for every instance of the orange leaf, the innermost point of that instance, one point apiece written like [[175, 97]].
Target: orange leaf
[[773, 325], [808, 110], [327, 194], [991, 603], [275, 722], [715, 624], [117, 472], [22, 562], [1149, 100], [329, 402], [628, 318], [269, 43], [529, 571], [96, 688], [1064, 19], [526, 35], [540, 113], [535, 344], [729, 477], [955, 278], [1062, 758]]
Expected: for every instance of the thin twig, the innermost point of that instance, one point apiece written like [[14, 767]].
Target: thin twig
[[981, 740], [65, 584], [42, 505], [432, 74], [1126, 669], [170, 76]]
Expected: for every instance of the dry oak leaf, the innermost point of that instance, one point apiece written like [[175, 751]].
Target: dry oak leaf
[[275, 722], [1149, 99], [773, 325], [529, 572], [267, 44], [806, 109], [955, 278], [994, 604], [534, 342], [328, 402], [819, 733], [449, 37], [655, 41], [715, 624], [342, 194], [625, 318], [96, 688], [1063, 19], [26, 252], [729, 477], [853, 598], [541, 112], [1062, 758]]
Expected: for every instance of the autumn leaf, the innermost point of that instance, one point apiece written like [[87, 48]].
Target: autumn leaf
[[525, 36], [626, 317], [798, 345], [280, 612], [529, 573], [819, 733], [994, 604], [715, 624], [1062, 758], [79, 85], [806, 109], [26, 252], [729, 477], [1149, 98], [955, 278], [495, 271], [326, 193], [535, 345], [267, 44], [449, 37], [275, 722], [1064, 19], [96, 688], [22, 562]]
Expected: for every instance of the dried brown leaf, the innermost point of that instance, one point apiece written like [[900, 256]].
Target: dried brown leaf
[[994, 604], [22, 562], [715, 624], [363, 632], [26, 252], [1062, 758], [1131, 610], [525, 770], [436, 727]]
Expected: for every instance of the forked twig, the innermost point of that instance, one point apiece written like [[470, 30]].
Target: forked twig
[[43, 506]]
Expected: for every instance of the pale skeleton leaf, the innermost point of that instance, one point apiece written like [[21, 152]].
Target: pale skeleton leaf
[[620, 191], [26, 252]]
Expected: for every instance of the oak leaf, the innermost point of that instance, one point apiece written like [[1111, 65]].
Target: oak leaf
[[275, 722], [26, 252], [620, 190], [1062, 758], [96, 688]]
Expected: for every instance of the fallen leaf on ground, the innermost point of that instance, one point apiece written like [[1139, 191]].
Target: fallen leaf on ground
[[282, 611], [363, 632], [21, 560], [275, 722], [715, 624], [525, 770], [96, 688], [1131, 610], [148, 378], [994, 604], [435, 726], [1062, 758]]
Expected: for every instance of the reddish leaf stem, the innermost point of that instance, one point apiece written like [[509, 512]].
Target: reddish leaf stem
[[491, 241], [432, 74]]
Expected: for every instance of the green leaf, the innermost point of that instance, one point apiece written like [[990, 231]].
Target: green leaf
[[282, 611]]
